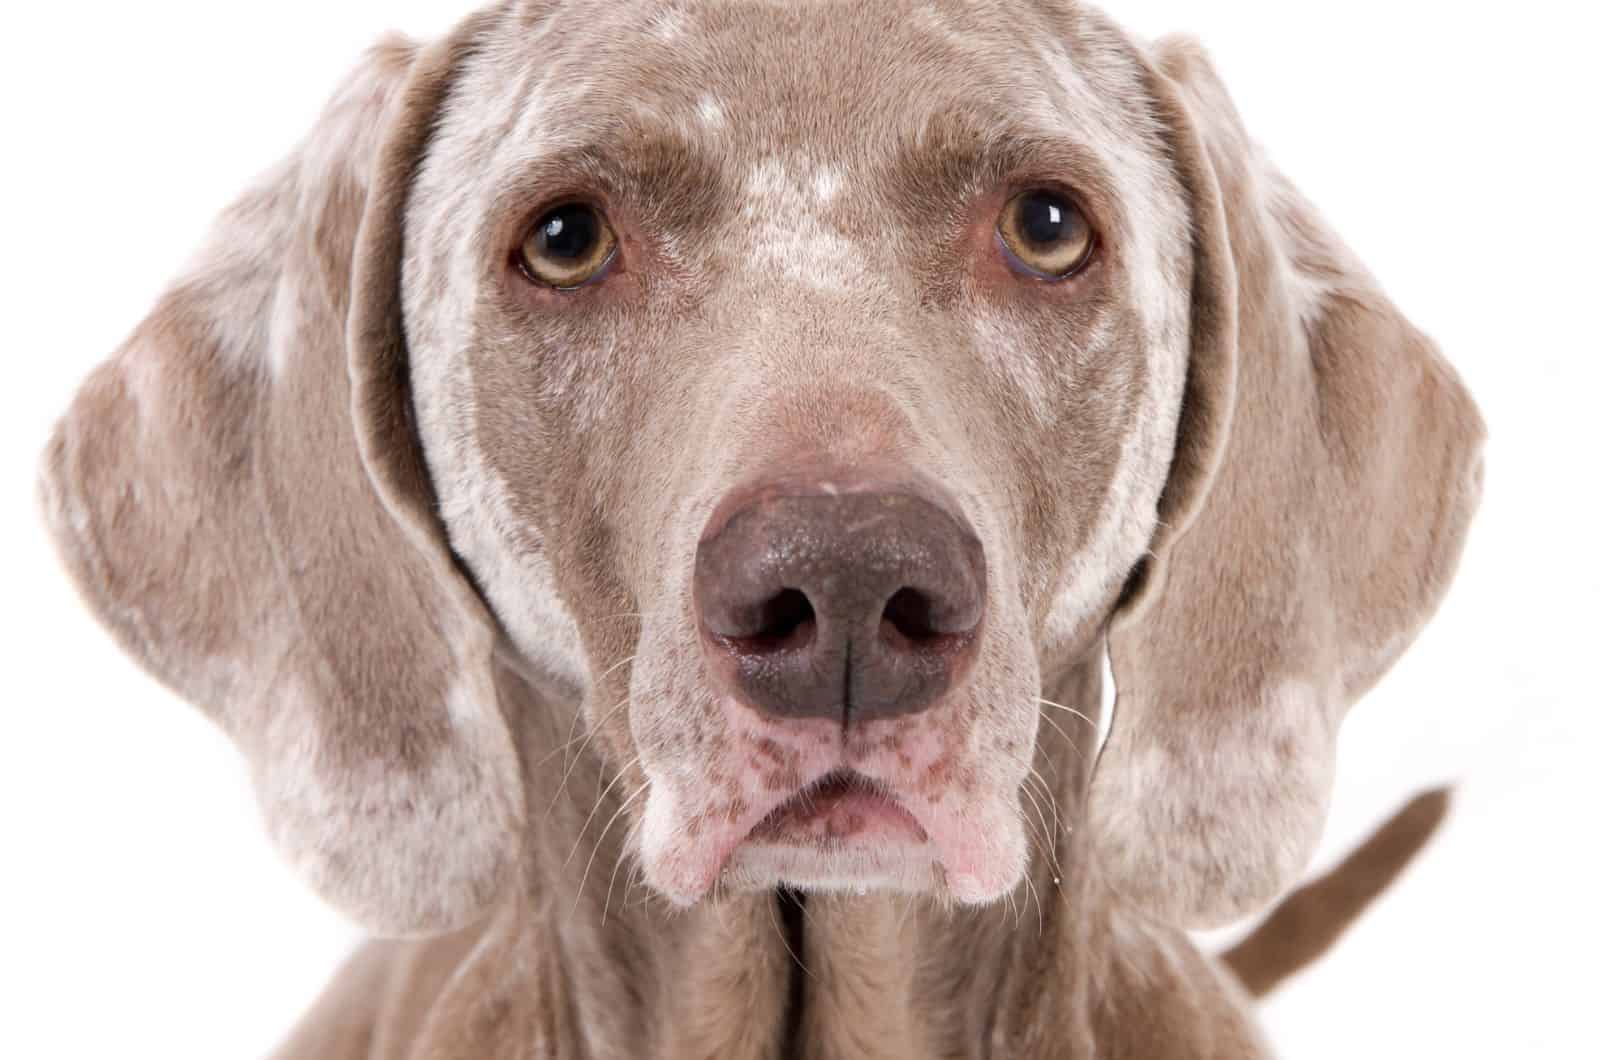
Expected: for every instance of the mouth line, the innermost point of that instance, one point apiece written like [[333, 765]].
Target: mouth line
[[842, 806]]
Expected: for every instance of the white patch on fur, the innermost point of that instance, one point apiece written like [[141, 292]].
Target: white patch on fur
[[1007, 348], [787, 232], [669, 25], [825, 184], [1309, 288], [710, 111], [660, 832], [933, 21], [504, 551], [1308, 295], [283, 331], [240, 265], [402, 850], [1252, 839]]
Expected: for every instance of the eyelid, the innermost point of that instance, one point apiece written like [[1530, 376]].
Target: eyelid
[[1024, 268]]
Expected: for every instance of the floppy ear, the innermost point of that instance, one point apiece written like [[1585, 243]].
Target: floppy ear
[[1327, 467], [239, 494]]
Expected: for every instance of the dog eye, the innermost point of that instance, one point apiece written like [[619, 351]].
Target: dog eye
[[569, 246], [1044, 234]]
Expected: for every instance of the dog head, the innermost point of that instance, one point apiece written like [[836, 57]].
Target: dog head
[[796, 388]]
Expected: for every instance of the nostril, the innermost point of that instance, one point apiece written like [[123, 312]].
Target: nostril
[[908, 616], [785, 614], [829, 599], [784, 622]]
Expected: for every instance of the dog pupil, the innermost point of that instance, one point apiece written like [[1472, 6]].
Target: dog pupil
[[1044, 220], [568, 232]]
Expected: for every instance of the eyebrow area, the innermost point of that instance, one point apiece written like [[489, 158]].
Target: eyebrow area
[[954, 159], [656, 174]]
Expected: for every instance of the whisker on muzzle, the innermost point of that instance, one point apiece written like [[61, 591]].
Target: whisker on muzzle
[[622, 855], [1052, 830], [1070, 710], [596, 809], [572, 763], [572, 739], [1070, 741], [599, 842]]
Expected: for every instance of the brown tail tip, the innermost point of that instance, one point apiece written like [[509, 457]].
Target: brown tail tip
[[1306, 924]]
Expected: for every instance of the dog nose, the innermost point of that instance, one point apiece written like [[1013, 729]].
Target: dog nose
[[844, 604]]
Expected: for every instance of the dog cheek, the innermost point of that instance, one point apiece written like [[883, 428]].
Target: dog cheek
[[487, 522]]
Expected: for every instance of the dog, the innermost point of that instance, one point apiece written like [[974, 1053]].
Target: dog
[[655, 491]]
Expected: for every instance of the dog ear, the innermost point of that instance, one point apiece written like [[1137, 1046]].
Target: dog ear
[[1328, 464], [240, 496]]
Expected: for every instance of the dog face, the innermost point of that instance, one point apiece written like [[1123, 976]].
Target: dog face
[[808, 302], [796, 388]]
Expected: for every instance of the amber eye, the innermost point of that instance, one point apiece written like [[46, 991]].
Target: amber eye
[[568, 247], [1044, 234]]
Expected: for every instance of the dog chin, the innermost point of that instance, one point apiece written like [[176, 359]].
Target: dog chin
[[896, 867], [842, 833]]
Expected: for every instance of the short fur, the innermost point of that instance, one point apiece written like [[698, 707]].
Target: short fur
[[420, 537]]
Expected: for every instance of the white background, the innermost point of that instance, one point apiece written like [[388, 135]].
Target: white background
[[1452, 144]]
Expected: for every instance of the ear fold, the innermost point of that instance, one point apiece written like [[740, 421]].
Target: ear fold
[[1327, 468], [239, 495]]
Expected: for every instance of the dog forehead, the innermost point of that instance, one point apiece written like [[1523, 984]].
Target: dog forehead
[[844, 82]]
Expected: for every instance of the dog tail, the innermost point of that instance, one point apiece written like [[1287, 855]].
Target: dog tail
[[1306, 924]]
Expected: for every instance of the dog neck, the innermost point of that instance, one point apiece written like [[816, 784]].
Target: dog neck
[[757, 975]]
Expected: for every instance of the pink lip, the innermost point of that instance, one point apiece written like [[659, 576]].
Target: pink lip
[[811, 810], [842, 806]]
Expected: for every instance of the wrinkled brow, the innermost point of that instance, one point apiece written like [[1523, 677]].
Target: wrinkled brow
[[659, 174], [951, 159]]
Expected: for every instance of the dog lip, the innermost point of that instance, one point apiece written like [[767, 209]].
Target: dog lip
[[840, 806]]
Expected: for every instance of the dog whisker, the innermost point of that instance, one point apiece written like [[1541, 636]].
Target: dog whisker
[[596, 808], [598, 843], [598, 681], [1070, 741], [1070, 710], [783, 936], [1051, 831], [572, 765], [622, 855], [1037, 903], [578, 739]]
